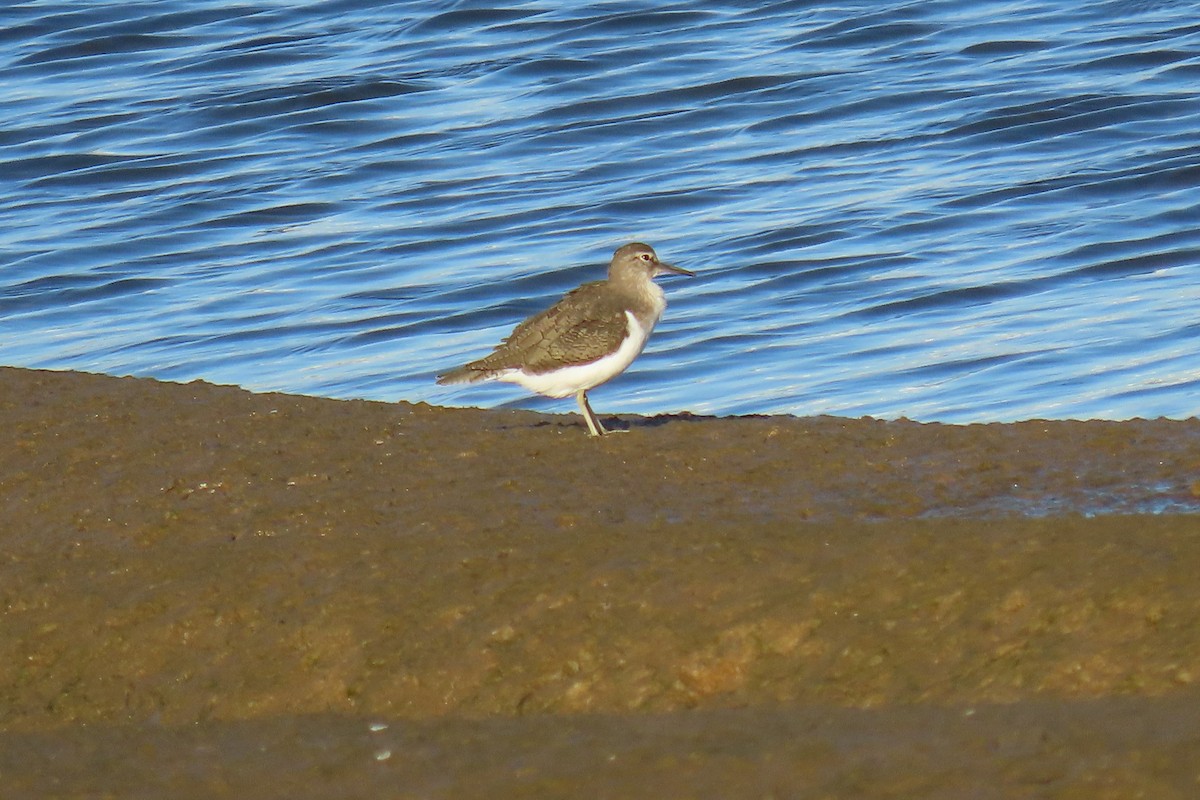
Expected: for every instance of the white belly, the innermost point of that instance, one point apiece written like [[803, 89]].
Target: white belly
[[566, 381]]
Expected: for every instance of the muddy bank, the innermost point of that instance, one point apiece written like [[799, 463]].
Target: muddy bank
[[185, 567]]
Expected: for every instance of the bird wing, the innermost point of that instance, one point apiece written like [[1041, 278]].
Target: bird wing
[[585, 325]]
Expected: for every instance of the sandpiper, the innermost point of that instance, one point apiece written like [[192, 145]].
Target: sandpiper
[[588, 337]]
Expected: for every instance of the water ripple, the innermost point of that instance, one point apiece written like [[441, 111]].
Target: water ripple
[[982, 212]]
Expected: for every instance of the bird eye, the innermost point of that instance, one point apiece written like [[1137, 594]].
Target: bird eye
[[645, 256]]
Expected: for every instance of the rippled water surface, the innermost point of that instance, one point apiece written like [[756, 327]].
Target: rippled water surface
[[943, 210]]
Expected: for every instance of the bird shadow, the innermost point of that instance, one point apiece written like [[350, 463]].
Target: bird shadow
[[630, 424], [657, 421]]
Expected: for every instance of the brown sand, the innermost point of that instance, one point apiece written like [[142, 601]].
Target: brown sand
[[212, 593]]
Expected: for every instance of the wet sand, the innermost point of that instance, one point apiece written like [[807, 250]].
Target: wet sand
[[209, 592]]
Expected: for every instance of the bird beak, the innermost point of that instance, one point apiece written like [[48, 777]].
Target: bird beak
[[665, 268]]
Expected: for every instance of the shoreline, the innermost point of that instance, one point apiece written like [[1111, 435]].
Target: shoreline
[[195, 566]]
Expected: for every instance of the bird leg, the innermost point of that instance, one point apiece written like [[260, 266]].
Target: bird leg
[[593, 423]]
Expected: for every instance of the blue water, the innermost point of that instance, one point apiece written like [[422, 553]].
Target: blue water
[[943, 210]]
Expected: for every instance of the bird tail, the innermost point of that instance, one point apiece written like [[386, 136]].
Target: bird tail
[[469, 373]]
